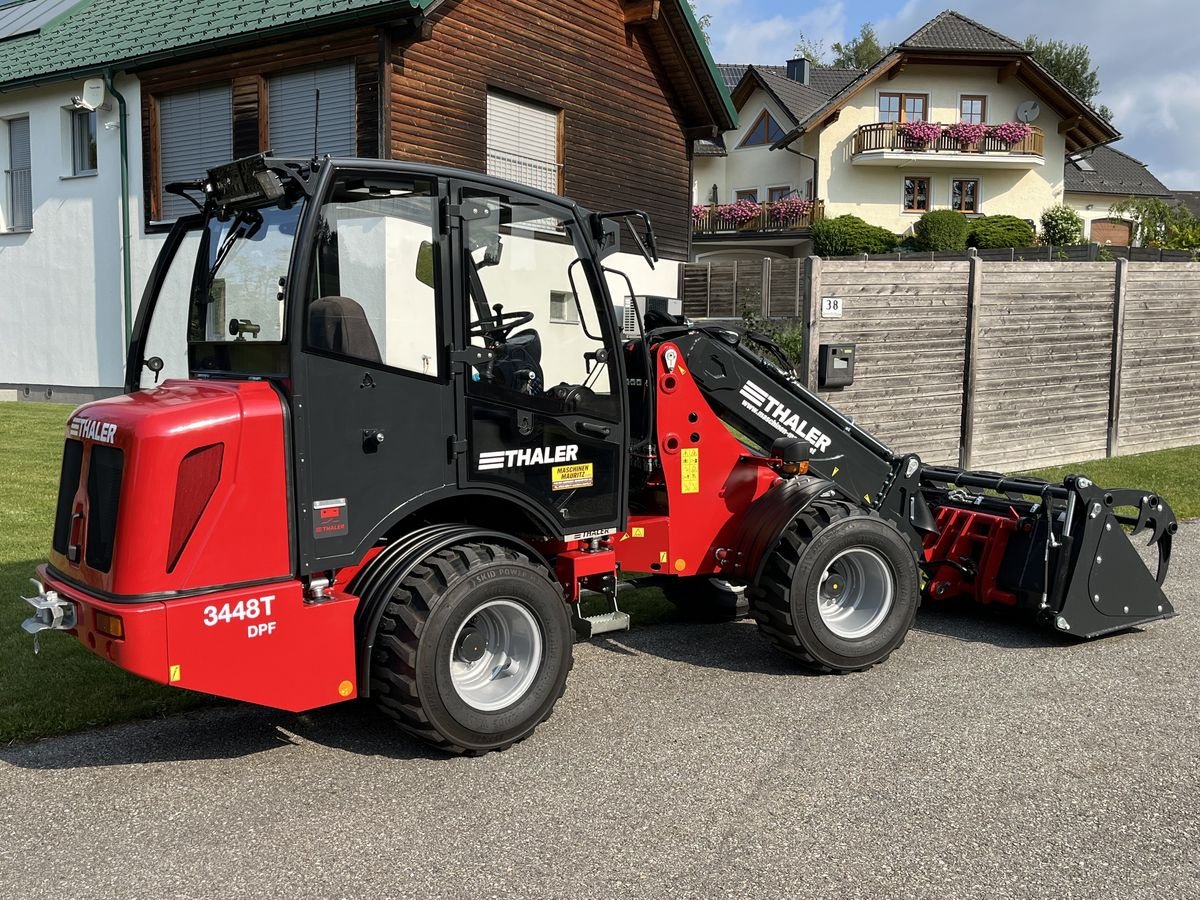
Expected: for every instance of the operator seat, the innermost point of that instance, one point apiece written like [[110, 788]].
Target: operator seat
[[518, 363], [339, 325]]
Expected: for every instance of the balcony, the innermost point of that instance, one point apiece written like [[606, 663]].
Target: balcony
[[746, 219], [886, 144]]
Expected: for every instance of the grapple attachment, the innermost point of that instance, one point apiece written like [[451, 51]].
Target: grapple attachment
[[1063, 552]]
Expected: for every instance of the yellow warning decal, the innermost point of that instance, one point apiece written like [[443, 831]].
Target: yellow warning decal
[[569, 478], [639, 532], [690, 476], [682, 370], [836, 469], [662, 557], [175, 676]]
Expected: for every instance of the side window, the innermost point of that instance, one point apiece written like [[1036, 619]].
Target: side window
[[374, 293], [531, 304], [167, 337]]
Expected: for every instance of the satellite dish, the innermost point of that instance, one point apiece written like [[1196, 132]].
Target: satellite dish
[[1028, 111], [94, 96]]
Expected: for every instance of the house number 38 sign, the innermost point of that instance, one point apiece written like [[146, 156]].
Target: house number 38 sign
[[831, 307]]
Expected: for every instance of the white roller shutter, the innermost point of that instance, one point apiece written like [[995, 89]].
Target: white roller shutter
[[522, 142], [293, 112], [195, 133]]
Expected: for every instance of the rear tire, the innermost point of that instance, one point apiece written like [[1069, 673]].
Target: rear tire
[[473, 649], [841, 589]]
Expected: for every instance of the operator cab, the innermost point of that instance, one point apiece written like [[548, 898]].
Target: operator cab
[[432, 336]]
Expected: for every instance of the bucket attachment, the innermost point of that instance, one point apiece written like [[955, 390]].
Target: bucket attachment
[[1063, 552]]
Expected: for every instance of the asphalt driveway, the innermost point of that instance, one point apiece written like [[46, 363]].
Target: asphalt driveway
[[983, 760]]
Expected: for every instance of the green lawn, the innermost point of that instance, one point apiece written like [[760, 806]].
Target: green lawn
[[63, 688], [66, 688]]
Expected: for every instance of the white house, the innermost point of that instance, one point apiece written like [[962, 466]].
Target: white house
[[178, 88], [848, 140]]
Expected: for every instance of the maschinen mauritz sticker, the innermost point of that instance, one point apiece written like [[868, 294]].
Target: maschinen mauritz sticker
[[570, 478]]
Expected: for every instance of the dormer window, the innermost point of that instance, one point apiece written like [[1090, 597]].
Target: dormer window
[[765, 130]]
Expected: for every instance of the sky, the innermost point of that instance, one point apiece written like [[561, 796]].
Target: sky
[[1148, 53]]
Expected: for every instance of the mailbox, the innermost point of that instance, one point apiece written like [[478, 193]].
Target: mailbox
[[835, 365]]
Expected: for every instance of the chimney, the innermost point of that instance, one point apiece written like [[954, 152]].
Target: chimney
[[799, 70]]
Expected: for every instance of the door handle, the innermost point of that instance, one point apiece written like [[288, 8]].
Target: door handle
[[601, 431]]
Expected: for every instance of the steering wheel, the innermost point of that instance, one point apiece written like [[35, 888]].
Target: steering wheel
[[500, 325]]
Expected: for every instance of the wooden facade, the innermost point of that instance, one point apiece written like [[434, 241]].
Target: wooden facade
[[627, 115]]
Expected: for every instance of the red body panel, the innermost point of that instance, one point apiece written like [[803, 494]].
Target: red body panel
[[260, 645], [708, 484], [242, 534]]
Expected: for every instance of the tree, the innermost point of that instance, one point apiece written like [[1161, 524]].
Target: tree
[[1157, 223], [704, 21], [860, 53], [1072, 65], [812, 50], [1062, 226]]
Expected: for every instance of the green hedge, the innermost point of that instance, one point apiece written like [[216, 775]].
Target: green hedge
[[991, 232], [941, 230], [848, 235]]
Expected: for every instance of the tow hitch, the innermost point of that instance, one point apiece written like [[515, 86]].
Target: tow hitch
[[53, 613]]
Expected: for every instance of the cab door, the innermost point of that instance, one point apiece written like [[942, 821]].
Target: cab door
[[373, 403], [541, 404]]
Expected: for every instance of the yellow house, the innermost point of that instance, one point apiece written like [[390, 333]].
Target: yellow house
[[957, 116]]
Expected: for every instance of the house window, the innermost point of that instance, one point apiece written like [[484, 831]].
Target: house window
[[902, 107], [972, 109], [776, 194], [765, 130], [18, 207], [809, 189], [964, 195], [562, 308], [916, 194], [195, 133], [751, 195], [523, 142], [305, 102], [83, 142]]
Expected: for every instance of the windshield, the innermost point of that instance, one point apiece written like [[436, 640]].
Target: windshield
[[241, 276]]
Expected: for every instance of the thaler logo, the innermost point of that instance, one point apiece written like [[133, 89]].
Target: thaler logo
[[93, 430], [533, 456], [781, 418]]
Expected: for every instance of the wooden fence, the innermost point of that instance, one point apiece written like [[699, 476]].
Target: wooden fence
[[990, 365]]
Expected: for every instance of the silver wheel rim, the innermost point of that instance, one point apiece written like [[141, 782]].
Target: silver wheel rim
[[856, 593], [496, 655]]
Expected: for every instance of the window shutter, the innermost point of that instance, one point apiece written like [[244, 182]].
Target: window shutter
[[195, 131], [293, 111], [522, 142], [20, 184]]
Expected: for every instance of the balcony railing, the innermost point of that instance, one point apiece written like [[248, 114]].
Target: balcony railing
[[885, 136], [767, 219]]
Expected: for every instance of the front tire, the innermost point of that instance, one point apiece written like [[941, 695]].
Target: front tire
[[841, 589], [473, 649]]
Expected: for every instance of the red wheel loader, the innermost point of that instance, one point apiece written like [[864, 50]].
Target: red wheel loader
[[382, 431]]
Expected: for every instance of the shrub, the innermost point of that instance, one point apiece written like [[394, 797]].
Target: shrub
[[790, 208], [991, 232], [967, 132], [921, 132], [1010, 132], [848, 235], [739, 213], [1062, 226], [942, 230]]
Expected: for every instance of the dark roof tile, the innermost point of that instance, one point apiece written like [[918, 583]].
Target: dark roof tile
[[1113, 172], [950, 30]]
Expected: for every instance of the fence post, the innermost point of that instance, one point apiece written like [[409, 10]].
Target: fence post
[[1118, 351], [733, 312], [766, 288], [966, 451], [708, 293], [812, 321]]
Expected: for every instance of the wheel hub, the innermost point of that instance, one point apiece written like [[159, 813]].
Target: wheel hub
[[856, 593], [496, 655]]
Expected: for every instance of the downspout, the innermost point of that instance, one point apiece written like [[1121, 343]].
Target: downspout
[[126, 228], [816, 167]]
